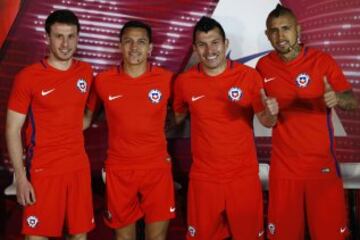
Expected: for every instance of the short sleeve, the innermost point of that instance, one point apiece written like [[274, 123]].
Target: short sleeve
[[256, 97], [335, 75], [93, 101], [21, 94], [179, 104]]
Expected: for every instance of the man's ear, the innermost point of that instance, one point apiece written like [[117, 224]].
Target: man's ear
[[227, 43], [150, 49], [267, 34], [298, 31], [47, 39], [194, 47]]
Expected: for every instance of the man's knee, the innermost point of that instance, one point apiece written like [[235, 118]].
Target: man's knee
[[80, 236], [156, 231], [125, 236], [35, 238], [126, 233], [157, 236]]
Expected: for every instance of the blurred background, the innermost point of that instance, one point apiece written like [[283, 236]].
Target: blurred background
[[330, 25]]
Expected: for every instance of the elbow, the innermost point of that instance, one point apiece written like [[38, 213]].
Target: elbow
[[86, 125], [87, 119]]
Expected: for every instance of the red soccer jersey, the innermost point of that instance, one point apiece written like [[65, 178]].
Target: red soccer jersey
[[302, 141], [54, 102], [135, 112], [222, 109]]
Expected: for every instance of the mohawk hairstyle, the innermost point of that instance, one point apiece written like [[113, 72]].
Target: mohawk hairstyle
[[279, 11]]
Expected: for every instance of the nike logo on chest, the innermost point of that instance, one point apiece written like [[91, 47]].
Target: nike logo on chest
[[47, 92], [196, 98]]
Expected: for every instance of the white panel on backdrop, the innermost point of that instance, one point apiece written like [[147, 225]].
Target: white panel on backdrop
[[244, 24]]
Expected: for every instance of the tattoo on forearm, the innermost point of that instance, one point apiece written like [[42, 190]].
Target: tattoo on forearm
[[347, 100]]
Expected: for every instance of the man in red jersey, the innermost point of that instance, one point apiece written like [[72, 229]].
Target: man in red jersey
[[304, 176], [52, 95], [138, 169], [224, 197]]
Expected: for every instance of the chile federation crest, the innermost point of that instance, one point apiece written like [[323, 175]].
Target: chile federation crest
[[154, 96], [81, 85], [234, 94], [302, 80]]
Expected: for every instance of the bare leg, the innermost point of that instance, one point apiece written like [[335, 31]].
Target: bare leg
[[35, 238], [156, 230], [80, 236], [126, 233]]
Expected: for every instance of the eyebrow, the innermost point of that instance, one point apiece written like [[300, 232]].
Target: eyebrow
[[143, 38]]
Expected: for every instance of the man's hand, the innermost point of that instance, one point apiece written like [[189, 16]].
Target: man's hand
[[271, 105], [25, 193], [268, 117], [330, 97]]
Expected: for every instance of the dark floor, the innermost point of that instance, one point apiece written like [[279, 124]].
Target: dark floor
[[10, 212]]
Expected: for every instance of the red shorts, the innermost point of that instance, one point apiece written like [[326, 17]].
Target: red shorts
[[60, 198], [322, 201], [220, 210], [132, 194]]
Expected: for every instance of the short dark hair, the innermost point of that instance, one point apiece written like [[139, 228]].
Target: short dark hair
[[61, 16], [279, 11], [206, 24], [136, 24]]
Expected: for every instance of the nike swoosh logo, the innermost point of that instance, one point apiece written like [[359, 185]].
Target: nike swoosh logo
[[172, 209], [343, 229], [44, 93], [195, 98], [261, 233], [269, 79], [114, 97]]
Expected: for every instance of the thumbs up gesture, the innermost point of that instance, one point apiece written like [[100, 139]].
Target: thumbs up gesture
[[330, 97], [271, 105]]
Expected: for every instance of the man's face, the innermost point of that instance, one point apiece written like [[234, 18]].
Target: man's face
[[211, 50], [62, 40], [135, 46], [283, 33]]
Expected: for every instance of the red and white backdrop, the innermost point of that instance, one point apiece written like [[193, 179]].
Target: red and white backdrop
[[331, 25]]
